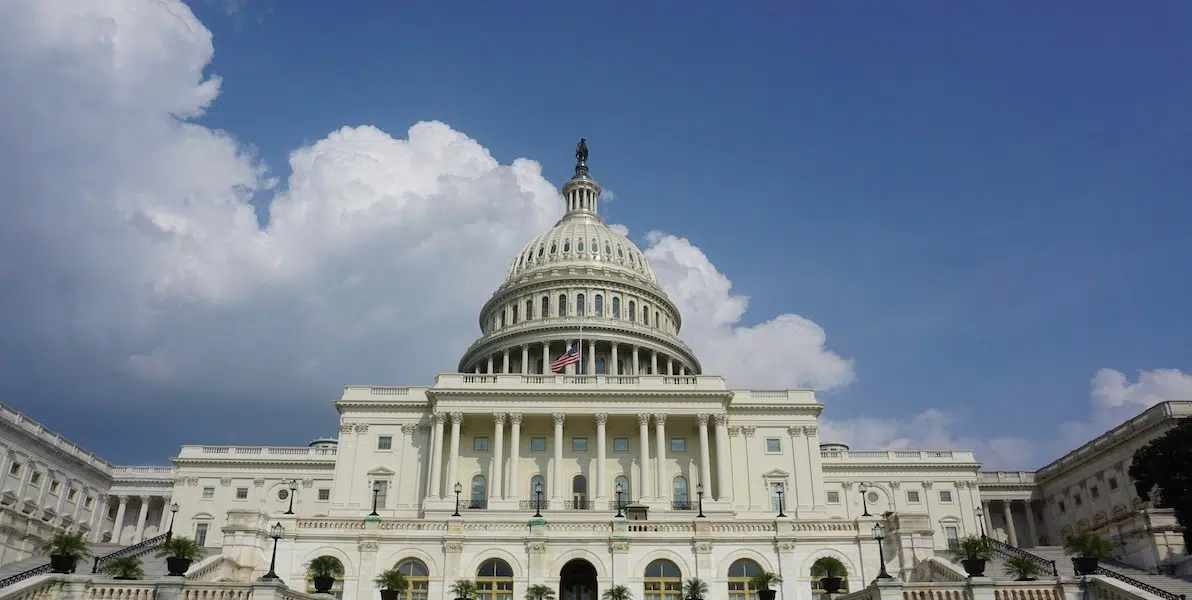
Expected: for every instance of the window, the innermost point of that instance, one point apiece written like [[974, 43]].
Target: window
[[579, 245], [579, 492], [833, 497], [952, 536], [622, 481], [537, 444], [579, 444], [601, 366], [632, 311], [1094, 492], [201, 533], [283, 494], [663, 581], [567, 245], [35, 479], [580, 304], [912, 496], [545, 307], [208, 493], [15, 469], [515, 313], [337, 587], [536, 482], [1062, 507], [679, 491], [554, 247], [645, 315], [529, 309], [819, 571], [872, 497], [242, 493], [383, 494], [599, 305], [740, 579], [385, 442], [608, 249], [620, 444], [479, 492], [72, 494], [562, 305], [1076, 500], [480, 443], [777, 491], [678, 444], [616, 308], [1113, 484], [417, 578], [54, 487], [324, 494], [88, 502], [494, 580], [773, 445], [657, 320], [946, 496], [502, 319]]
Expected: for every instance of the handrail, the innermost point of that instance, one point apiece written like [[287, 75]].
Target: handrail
[[134, 550], [1138, 584], [1012, 551], [35, 571]]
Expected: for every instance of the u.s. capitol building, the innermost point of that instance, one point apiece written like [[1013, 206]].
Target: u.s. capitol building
[[629, 467]]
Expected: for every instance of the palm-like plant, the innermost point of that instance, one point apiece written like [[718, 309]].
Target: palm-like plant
[[1024, 568], [694, 589], [67, 544], [540, 592], [463, 588], [974, 547], [125, 567], [392, 579], [764, 579], [324, 566], [181, 547], [828, 566], [617, 592], [1088, 545]]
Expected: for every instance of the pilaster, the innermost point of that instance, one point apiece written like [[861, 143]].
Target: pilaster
[[619, 547]]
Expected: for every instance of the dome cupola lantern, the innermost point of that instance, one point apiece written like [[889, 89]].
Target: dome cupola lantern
[[582, 193]]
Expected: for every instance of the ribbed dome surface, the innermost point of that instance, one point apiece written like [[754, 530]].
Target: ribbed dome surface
[[581, 240]]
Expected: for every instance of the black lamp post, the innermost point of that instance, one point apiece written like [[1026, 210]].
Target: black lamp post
[[981, 519], [699, 492], [173, 513], [538, 500], [780, 489], [275, 532], [458, 488], [620, 490], [864, 502], [294, 490], [879, 534], [376, 492]]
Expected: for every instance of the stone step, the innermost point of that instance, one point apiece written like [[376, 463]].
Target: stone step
[[1063, 563]]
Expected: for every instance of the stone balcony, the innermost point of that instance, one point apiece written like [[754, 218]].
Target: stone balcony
[[264, 453], [897, 456]]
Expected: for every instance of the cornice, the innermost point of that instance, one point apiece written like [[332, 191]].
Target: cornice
[[528, 332], [192, 462], [581, 395]]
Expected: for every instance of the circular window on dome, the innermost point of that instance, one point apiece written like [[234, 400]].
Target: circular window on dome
[[566, 245], [872, 497], [579, 246], [283, 494]]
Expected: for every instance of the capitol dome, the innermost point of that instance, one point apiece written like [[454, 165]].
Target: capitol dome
[[580, 284]]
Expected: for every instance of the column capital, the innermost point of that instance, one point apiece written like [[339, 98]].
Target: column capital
[[122, 498], [362, 428], [346, 428], [515, 418], [720, 418], [408, 429], [601, 418], [457, 418], [927, 485], [660, 419], [438, 417], [748, 430], [559, 417], [811, 431], [499, 417], [643, 419], [795, 431], [734, 431], [702, 419], [145, 500]]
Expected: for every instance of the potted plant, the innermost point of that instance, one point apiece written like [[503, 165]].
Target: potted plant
[[1022, 568], [694, 589], [391, 583], [974, 551], [540, 592], [617, 592], [831, 573], [762, 582], [124, 567], [1086, 550], [464, 589], [179, 553], [323, 571], [65, 550]]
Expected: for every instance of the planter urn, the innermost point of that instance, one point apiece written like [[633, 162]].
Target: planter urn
[[975, 567], [388, 594], [63, 563], [766, 594], [1085, 565], [831, 585], [323, 584], [177, 566]]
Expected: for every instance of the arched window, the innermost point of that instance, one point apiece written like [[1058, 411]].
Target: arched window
[[562, 305], [554, 248], [337, 588], [579, 246], [516, 308], [494, 580], [645, 314], [620, 368], [595, 247], [679, 489], [579, 492], [529, 309], [536, 482], [600, 366], [657, 320], [580, 304], [622, 481], [567, 245], [821, 568], [740, 579], [663, 581], [599, 305], [545, 307], [418, 577], [501, 319], [616, 308], [479, 492], [608, 250], [632, 311], [620, 252]]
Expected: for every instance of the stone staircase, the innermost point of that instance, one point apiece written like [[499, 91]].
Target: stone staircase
[[1161, 585], [20, 566]]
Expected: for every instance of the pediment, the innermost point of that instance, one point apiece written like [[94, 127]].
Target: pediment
[[382, 472], [776, 474]]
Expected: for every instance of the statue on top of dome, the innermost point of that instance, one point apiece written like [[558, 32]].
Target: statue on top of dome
[[581, 152]]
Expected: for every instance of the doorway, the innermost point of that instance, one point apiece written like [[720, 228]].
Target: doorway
[[577, 581]]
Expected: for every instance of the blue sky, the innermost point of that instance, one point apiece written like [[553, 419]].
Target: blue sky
[[981, 205]]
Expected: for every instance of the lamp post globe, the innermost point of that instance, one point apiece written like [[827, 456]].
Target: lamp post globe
[[458, 488], [980, 512], [173, 513], [780, 489], [538, 500], [275, 532], [864, 500], [293, 485], [699, 492], [620, 490], [879, 534]]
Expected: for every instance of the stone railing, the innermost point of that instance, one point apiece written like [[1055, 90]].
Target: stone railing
[[934, 568], [712, 383], [89, 587], [995, 477], [142, 472], [1165, 410], [1090, 588], [950, 456], [18, 420], [258, 452]]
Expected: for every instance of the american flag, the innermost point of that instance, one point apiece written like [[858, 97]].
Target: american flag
[[570, 357]]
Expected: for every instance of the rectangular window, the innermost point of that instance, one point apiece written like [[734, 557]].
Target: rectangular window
[[208, 493], [579, 444], [15, 469], [678, 444], [946, 496], [72, 494], [621, 444], [35, 479], [241, 493], [1094, 492], [480, 443], [385, 442], [53, 487], [777, 493], [773, 445], [833, 497], [1113, 484], [912, 496], [952, 536], [382, 495], [1062, 507], [537, 444], [1076, 499], [201, 533], [324, 494], [88, 502]]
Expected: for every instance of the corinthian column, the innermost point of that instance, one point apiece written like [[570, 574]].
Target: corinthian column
[[601, 492], [453, 458], [498, 455], [514, 456], [643, 432], [436, 458], [660, 445], [724, 490], [705, 466], [557, 488]]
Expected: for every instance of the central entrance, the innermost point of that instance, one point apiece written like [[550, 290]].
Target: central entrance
[[577, 581]]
